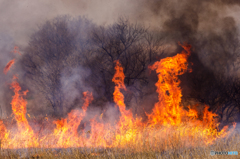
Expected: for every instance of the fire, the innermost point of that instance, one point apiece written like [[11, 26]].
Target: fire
[[8, 66], [127, 125], [16, 50], [11, 62], [167, 118], [24, 135], [66, 129], [168, 110]]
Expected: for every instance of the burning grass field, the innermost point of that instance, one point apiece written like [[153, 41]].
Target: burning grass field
[[174, 148], [170, 131]]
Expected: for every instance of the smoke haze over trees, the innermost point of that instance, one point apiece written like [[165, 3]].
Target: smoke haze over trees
[[63, 56]]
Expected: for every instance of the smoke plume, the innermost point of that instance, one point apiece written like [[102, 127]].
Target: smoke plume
[[211, 27]]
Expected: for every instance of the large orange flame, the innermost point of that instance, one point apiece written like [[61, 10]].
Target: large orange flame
[[167, 110], [167, 118], [127, 125], [24, 135]]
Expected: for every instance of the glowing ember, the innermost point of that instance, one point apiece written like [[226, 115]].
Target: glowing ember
[[8, 66], [16, 50], [167, 122]]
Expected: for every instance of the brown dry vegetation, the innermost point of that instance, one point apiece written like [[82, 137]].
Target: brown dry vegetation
[[174, 148]]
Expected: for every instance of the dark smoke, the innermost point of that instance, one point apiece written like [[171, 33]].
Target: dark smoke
[[204, 24], [210, 26]]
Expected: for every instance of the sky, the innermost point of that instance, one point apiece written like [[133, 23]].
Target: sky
[[20, 18]]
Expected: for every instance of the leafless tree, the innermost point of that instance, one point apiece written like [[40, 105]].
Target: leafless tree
[[133, 46], [214, 80], [48, 53]]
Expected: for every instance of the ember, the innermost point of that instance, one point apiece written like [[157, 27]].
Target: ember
[[8, 66]]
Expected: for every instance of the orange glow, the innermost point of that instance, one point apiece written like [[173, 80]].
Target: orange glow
[[16, 50], [66, 132], [24, 135], [167, 122], [8, 66]]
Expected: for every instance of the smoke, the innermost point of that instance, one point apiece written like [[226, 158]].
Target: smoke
[[73, 86], [20, 19], [6, 51], [202, 23], [211, 27]]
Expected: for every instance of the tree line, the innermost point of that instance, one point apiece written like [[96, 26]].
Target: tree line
[[67, 56]]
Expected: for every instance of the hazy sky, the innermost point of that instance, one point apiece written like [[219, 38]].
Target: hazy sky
[[19, 18]]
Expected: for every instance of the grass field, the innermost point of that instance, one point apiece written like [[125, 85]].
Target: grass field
[[171, 150]]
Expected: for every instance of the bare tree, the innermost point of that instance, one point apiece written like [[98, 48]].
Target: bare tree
[[217, 88], [48, 53], [132, 45], [63, 44]]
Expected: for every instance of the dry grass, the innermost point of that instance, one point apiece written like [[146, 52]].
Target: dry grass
[[172, 150]]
